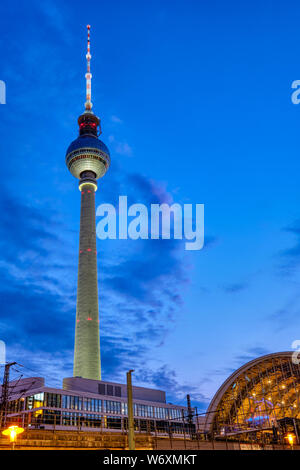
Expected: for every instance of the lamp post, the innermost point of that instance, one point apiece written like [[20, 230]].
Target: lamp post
[[12, 432], [131, 438], [290, 438]]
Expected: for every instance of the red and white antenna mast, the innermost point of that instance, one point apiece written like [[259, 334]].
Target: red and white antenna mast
[[88, 75]]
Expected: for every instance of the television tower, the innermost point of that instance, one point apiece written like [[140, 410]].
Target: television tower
[[87, 159]]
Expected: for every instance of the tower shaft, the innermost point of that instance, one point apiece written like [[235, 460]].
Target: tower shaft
[[87, 343]]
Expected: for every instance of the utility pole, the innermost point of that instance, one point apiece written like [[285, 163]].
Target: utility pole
[[4, 395], [190, 414], [131, 438]]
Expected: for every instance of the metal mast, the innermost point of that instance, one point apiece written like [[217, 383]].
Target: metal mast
[[4, 395], [88, 75]]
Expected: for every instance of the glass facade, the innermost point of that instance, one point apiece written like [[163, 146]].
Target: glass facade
[[80, 420], [112, 406], [57, 409], [156, 412], [34, 401], [74, 402], [261, 397], [52, 400]]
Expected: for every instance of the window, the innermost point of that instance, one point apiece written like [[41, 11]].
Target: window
[[124, 408], [66, 401], [38, 400], [117, 391], [112, 406], [29, 403], [110, 390], [76, 403], [101, 389], [97, 405], [52, 400]]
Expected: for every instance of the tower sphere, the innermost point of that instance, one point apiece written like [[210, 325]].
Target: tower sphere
[[87, 153]]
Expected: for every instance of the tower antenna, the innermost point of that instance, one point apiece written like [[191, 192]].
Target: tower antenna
[[88, 75]]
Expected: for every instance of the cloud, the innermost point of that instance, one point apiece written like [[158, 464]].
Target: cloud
[[165, 378], [291, 256], [235, 287], [289, 260], [149, 191], [147, 277], [55, 15], [141, 288], [23, 230], [239, 360], [286, 315], [123, 148], [36, 291], [209, 241], [120, 147], [249, 354], [116, 119]]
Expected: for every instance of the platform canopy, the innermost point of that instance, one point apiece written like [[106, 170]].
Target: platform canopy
[[257, 396]]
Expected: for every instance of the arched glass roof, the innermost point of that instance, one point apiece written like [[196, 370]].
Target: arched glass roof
[[257, 396]]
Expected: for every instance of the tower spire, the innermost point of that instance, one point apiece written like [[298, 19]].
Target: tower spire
[[88, 75]]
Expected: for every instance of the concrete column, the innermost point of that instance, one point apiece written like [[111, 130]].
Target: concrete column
[[87, 340]]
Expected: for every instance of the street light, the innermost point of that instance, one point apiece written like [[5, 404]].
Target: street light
[[131, 437], [12, 432], [290, 438]]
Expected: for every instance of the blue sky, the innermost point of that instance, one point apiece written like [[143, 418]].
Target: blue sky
[[195, 103]]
